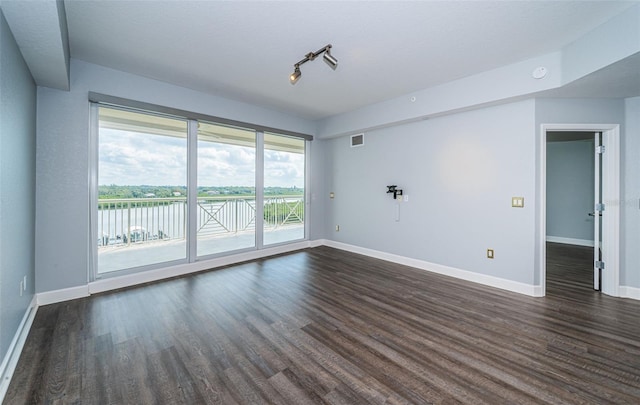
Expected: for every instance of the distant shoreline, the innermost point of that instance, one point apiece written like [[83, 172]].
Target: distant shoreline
[[146, 191]]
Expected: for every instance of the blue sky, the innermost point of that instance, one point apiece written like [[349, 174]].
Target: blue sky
[[128, 158]]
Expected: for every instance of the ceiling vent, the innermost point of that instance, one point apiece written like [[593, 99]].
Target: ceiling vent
[[357, 140]]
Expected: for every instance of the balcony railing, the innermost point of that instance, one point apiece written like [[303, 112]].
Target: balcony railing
[[140, 220]]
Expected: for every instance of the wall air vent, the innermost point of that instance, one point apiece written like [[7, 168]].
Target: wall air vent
[[357, 140]]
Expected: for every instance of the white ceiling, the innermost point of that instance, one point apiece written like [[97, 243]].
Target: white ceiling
[[245, 50]]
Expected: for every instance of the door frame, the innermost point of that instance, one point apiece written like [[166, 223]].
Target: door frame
[[610, 197]]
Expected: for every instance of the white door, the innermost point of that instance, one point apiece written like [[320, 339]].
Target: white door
[[598, 212]]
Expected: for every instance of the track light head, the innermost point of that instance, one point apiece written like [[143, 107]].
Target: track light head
[[328, 58], [331, 61], [295, 76]]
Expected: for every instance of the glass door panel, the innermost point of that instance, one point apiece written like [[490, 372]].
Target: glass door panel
[[142, 189], [284, 177], [226, 207]]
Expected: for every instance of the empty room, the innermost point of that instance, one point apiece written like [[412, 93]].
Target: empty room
[[327, 202]]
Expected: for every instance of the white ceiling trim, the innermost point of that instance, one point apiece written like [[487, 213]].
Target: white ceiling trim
[[40, 30], [588, 56], [449, 59]]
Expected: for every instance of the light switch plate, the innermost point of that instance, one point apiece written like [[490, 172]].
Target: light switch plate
[[489, 253], [517, 202]]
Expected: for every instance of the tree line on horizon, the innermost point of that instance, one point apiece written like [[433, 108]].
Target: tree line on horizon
[[143, 191]]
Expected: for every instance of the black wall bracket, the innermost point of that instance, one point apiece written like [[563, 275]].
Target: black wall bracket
[[394, 189]]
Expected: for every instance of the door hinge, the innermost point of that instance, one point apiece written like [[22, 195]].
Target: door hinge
[[599, 207], [600, 149], [599, 265]]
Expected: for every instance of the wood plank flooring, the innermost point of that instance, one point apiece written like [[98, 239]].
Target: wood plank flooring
[[327, 326]]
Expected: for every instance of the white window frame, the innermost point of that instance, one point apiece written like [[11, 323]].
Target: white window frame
[[99, 100]]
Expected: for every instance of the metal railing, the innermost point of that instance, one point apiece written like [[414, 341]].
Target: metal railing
[[122, 222], [219, 215], [283, 210]]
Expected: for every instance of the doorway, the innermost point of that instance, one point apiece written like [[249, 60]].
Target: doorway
[[571, 180], [599, 231]]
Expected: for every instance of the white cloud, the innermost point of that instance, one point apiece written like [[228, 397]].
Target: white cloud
[[283, 169], [135, 159], [128, 158]]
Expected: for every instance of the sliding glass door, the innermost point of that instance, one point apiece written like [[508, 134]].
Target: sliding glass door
[[226, 207], [284, 178], [168, 190], [142, 189]]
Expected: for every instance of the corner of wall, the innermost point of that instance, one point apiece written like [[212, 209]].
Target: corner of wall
[[11, 357], [17, 179]]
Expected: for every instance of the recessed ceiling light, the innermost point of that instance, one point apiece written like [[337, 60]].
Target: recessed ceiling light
[[539, 72]]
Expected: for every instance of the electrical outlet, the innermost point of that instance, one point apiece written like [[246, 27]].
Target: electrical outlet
[[24, 283], [489, 253], [337, 228]]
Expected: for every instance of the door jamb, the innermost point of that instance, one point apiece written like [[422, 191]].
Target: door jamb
[[610, 195]]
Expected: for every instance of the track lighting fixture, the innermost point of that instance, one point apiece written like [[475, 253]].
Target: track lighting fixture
[[331, 61], [328, 58], [295, 76]]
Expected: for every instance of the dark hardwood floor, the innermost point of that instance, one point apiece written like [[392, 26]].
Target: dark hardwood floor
[[327, 326]]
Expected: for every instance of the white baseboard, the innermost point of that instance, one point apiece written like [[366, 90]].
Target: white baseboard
[[108, 284], [629, 292], [317, 242], [12, 356], [130, 280], [509, 285], [65, 294], [538, 291], [570, 241]]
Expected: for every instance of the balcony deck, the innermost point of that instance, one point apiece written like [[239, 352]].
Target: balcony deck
[[118, 257], [146, 231]]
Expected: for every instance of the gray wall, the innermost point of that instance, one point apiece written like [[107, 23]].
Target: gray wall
[[318, 179], [579, 111], [630, 224], [460, 172], [570, 189], [62, 201], [17, 185]]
